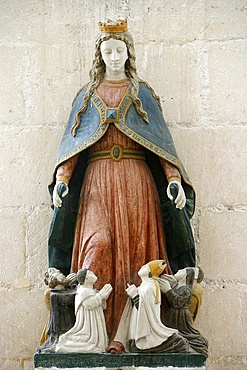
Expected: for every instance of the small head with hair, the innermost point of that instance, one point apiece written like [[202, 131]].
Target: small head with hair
[[199, 274], [54, 278], [189, 274], [85, 276], [156, 267], [81, 275], [153, 269]]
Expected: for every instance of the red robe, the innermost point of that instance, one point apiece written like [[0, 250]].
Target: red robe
[[119, 226]]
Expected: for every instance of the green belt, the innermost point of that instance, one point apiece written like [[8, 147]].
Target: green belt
[[117, 153]]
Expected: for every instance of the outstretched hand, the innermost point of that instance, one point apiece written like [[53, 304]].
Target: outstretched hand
[[180, 200], [56, 197]]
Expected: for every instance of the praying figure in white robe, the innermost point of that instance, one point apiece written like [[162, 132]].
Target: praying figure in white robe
[[141, 329], [88, 335]]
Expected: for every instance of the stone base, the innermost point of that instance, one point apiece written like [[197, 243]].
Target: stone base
[[124, 368], [107, 360]]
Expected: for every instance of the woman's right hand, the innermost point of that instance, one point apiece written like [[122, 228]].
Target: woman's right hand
[[60, 190]]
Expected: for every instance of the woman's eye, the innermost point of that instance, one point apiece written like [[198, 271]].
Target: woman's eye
[[107, 51], [120, 50]]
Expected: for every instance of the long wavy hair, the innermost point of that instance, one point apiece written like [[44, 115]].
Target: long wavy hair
[[97, 73]]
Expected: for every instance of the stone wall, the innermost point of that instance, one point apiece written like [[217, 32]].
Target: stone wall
[[193, 53]]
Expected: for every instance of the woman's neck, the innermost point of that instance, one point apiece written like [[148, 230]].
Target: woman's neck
[[115, 76]]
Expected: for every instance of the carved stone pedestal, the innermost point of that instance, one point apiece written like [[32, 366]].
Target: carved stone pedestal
[[74, 361]]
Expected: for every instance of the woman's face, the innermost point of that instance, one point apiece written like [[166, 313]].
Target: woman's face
[[114, 54]]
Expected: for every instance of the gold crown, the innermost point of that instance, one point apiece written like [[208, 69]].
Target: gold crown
[[118, 26]]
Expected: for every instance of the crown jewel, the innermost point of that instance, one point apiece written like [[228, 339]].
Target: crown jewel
[[118, 26]]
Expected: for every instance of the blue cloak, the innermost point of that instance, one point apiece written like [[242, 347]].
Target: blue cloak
[[157, 142]]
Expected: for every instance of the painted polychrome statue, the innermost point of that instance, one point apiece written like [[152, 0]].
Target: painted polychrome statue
[[120, 193]]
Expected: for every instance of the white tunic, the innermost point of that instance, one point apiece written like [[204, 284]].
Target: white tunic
[[89, 332], [144, 325]]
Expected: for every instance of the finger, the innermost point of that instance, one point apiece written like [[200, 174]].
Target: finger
[[58, 202], [178, 202], [65, 192], [169, 193], [181, 202]]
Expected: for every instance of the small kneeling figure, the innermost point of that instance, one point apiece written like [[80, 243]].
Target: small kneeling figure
[[89, 332], [141, 329], [178, 292]]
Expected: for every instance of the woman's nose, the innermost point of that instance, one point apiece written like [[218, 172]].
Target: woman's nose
[[114, 55]]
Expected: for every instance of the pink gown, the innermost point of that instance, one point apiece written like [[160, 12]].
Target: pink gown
[[119, 226]]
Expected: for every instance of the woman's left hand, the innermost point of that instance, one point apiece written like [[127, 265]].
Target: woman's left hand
[[180, 200]]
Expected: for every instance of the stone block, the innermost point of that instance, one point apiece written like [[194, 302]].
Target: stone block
[[28, 159], [215, 159], [228, 363], [225, 20], [11, 364], [222, 240], [23, 314], [175, 22], [23, 23], [11, 87], [12, 241], [17, 364], [227, 80], [37, 245], [178, 83], [34, 80], [222, 319], [65, 73], [28, 364], [71, 23], [179, 22]]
